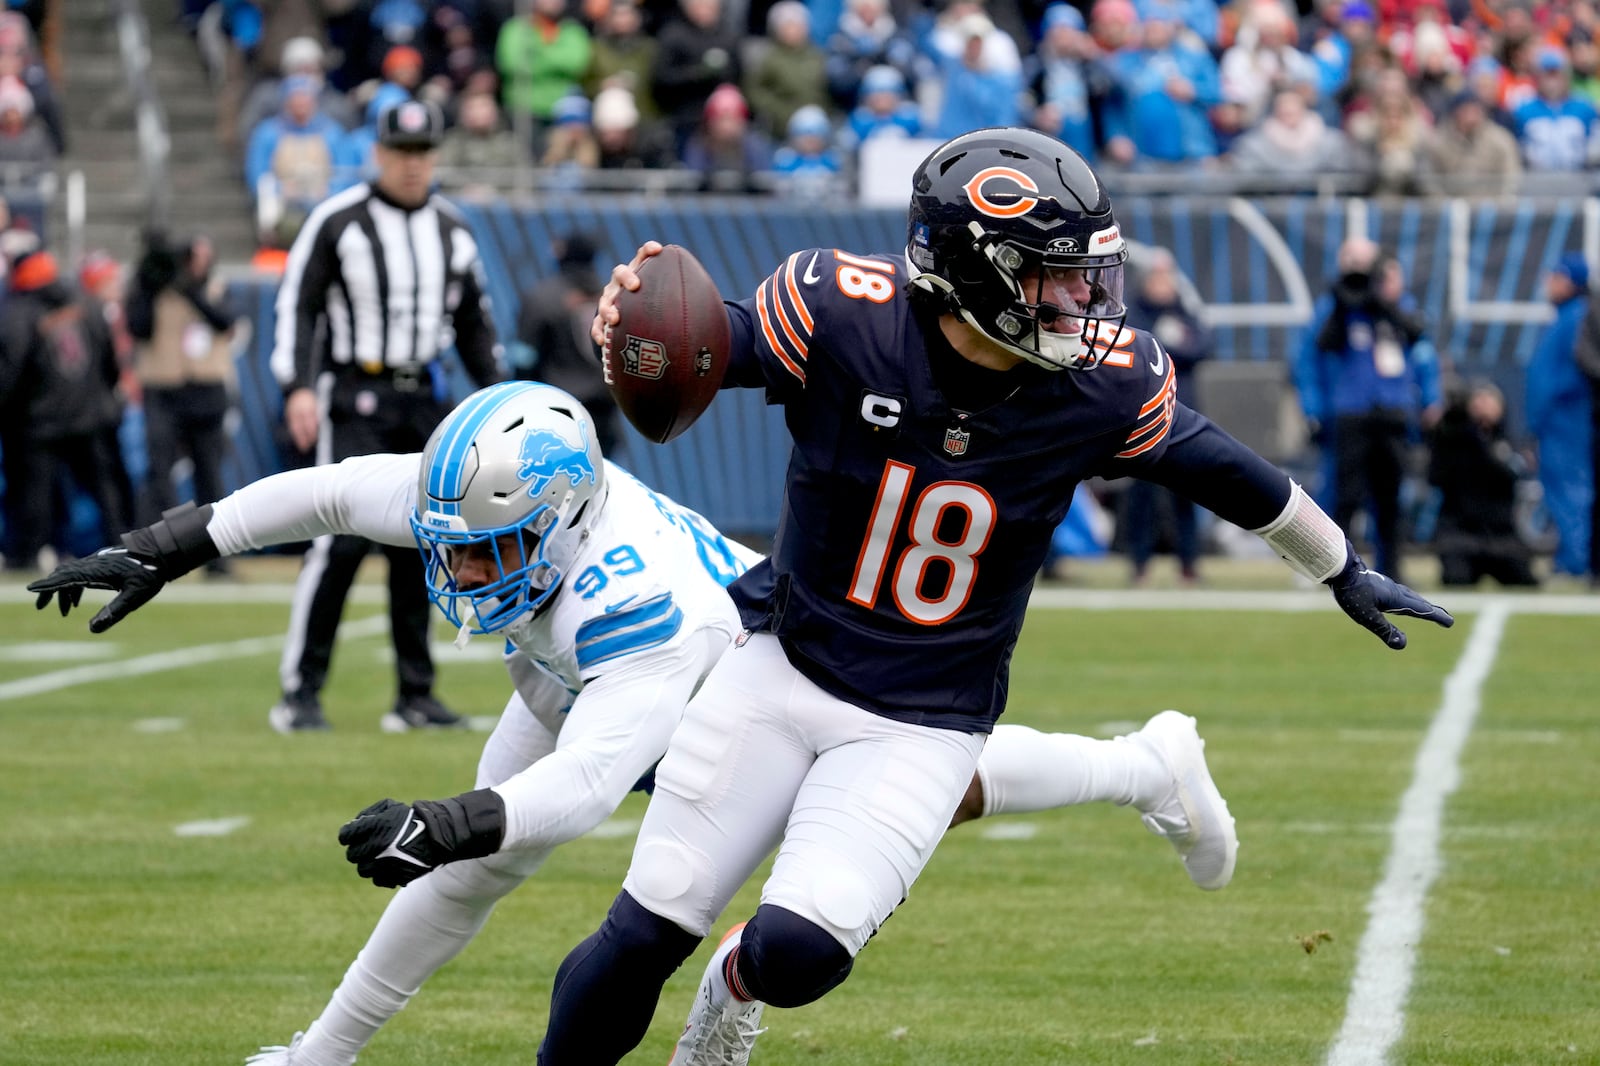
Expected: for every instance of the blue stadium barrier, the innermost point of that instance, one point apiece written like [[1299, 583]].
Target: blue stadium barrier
[[1248, 260]]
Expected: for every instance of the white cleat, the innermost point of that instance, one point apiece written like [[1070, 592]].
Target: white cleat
[[1193, 816], [276, 1055], [713, 1035]]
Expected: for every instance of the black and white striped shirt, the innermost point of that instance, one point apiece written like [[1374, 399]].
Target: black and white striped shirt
[[396, 287]]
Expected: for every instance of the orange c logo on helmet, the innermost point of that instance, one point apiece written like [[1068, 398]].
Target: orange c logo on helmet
[[980, 199]]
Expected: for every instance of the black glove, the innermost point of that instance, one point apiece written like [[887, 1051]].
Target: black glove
[[393, 844], [147, 560], [1367, 595]]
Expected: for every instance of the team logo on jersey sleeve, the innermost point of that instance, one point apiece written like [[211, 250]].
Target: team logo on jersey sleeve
[[956, 440], [1010, 185], [645, 358]]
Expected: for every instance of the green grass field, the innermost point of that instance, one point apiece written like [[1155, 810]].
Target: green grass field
[[125, 943]]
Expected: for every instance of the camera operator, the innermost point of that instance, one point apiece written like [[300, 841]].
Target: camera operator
[[185, 368], [1381, 377]]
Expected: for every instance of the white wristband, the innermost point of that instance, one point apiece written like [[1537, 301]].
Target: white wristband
[[1308, 540]]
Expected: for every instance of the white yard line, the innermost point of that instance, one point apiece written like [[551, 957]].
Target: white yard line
[[176, 659], [1375, 1014]]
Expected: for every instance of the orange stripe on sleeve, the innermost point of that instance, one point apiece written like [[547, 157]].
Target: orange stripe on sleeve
[[772, 337]]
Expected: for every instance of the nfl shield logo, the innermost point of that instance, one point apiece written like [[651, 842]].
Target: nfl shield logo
[[644, 358], [956, 440]]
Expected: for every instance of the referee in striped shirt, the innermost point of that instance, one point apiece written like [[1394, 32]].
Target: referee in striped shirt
[[381, 279]]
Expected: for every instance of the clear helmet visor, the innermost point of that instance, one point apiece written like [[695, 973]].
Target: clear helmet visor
[[1066, 316]]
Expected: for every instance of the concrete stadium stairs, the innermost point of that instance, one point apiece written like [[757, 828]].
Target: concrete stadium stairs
[[205, 185]]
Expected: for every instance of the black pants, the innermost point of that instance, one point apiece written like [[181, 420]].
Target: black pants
[[84, 457], [366, 415], [178, 421], [1370, 462]]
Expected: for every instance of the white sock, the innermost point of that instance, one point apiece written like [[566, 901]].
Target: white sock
[[425, 926], [1024, 770]]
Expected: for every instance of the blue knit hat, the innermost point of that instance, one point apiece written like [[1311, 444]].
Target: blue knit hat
[[1574, 267]]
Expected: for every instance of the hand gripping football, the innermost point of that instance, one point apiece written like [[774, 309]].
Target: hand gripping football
[[666, 357]]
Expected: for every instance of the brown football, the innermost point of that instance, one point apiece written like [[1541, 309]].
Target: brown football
[[665, 358]]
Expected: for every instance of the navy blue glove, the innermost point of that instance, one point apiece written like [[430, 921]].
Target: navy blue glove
[[1367, 596], [393, 843]]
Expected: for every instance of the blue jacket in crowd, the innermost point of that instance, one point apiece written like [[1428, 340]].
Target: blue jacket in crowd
[[1558, 401]]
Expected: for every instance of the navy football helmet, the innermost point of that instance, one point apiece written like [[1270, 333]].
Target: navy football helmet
[[1003, 222]]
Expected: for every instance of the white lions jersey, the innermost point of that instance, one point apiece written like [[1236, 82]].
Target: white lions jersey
[[650, 575]]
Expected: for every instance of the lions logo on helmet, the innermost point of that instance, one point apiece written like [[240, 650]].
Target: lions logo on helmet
[[1001, 222], [516, 468], [546, 455]]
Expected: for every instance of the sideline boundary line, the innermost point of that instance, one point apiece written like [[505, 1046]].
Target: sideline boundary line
[[1375, 1013]]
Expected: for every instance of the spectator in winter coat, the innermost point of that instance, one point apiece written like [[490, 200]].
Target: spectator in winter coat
[[541, 58], [25, 147], [791, 75], [1167, 90], [977, 91], [623, 56], [727, 151], [480, 140], [1559, 410], [58, 371], [299, 147], [867, 37], [1292, 140], [1066, 79], [696, 54], [1555, 128], [884, 110], [807, 167], [303, 57], [1470, 155], [626, 143], [1476, 472], [1262, 61]]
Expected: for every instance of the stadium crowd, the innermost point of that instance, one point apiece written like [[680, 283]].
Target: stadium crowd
[[1405, 96]]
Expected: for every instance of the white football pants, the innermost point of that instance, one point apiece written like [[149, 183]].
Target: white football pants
[[854, 801]]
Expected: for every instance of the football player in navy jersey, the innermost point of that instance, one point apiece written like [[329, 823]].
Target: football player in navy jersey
[[943, 405]]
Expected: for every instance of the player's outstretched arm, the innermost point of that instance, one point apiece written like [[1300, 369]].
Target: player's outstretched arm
[[393, 843], [136, 571]]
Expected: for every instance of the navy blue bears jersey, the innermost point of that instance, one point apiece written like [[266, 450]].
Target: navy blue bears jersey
[[912, 527]]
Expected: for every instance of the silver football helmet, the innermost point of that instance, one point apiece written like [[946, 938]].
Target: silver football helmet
[[516, 467]]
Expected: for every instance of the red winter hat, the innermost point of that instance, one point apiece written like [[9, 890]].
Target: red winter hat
[[726, 100]]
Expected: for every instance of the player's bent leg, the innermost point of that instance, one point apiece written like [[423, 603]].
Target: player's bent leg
[[607, 987], [1023, 771], [426, 924], [1160, 770]]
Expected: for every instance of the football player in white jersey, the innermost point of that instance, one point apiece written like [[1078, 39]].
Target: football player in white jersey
[[612, 599]]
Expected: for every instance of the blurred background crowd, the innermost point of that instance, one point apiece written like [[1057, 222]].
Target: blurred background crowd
[[1405, 96]]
